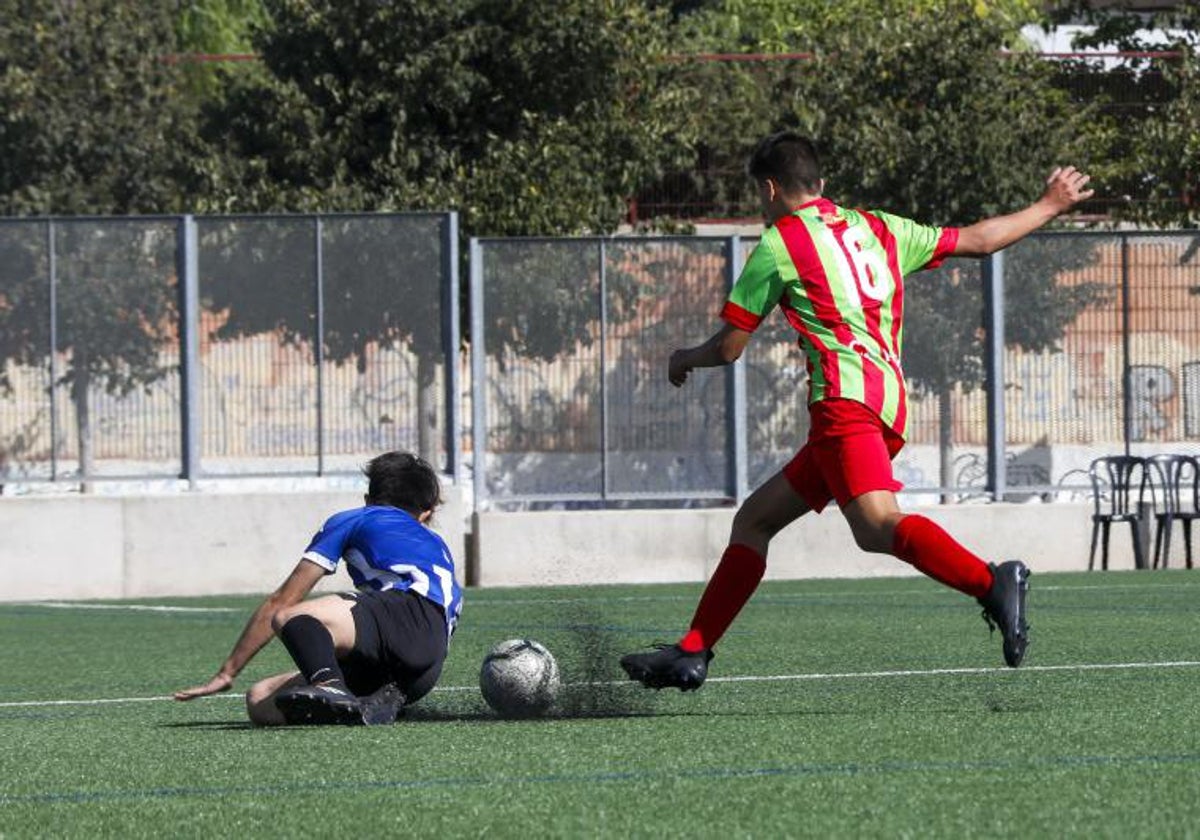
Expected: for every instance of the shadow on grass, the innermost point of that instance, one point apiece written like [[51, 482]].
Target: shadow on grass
[[209, 724]]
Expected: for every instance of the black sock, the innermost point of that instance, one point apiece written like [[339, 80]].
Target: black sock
[[311, 647]]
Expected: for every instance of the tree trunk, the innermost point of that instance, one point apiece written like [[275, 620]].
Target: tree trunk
[[946, 442], [427, 410], [83, 427]]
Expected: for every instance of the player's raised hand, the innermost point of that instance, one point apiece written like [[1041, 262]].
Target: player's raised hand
[[219, 683], [678, 368], [1065, 188]]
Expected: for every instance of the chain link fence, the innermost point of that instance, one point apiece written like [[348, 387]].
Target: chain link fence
[[168, 348], [1101, 354], [226, 346]]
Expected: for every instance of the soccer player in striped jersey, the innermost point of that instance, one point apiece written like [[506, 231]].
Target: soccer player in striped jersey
[[838, 276], [362, 655]]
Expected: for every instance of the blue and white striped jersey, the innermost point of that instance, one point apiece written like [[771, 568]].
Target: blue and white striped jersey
[[386, 548]]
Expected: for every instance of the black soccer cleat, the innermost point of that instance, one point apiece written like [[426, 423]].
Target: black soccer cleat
[[318, 705], [383, 706], [668, 666], [1004, 607]]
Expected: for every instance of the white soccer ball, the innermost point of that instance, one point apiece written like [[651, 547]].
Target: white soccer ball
[[519, 678]]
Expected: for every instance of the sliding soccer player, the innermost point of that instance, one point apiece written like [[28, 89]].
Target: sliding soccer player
[[361, 655]]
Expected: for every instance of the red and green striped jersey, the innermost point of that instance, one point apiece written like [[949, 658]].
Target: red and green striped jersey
[[838, 275]]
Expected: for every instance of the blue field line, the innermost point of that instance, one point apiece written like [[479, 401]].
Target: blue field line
[[712, 773]]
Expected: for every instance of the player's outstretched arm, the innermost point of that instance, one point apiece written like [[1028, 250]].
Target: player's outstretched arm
[[1064, 189], [723, 348], [258, 630]]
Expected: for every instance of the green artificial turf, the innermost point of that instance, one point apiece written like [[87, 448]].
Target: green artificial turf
[[885, 712]]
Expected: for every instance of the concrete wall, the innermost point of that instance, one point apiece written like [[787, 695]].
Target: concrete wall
[[209, 543], [684, 545], [187, 544]]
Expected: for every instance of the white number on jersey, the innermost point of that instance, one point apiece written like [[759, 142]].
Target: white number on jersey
[[874, 278]]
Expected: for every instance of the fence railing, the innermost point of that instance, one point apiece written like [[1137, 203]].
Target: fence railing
[[1022, 368], [227, 345], [192, 347]]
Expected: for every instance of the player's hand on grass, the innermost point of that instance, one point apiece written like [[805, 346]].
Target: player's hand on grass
[[678, 368], [1065, 188], [219, 683]]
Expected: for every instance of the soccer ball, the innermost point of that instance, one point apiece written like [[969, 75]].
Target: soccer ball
[[519, 678]]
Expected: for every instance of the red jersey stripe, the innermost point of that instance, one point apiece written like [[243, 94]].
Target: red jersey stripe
[[807, 260], [738, 317], [946, 244], [888, 240]]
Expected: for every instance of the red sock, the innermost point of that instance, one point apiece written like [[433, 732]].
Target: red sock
[[924, 544], [728, 590]]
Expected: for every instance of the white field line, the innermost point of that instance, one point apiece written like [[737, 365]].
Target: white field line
[[83, 605], [749, 678], [598, 599]]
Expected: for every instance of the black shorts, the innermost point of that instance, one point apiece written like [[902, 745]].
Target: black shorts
[[400, 637]]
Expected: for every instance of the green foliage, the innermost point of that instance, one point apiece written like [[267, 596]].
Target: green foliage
[[217, 28], [93, 119], [918, 113], [781, 26], [1154, 156], [529, 117], [91, 114], [931, 121], [220, 27]]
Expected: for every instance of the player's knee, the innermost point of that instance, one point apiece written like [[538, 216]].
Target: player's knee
[[748, 522], [874, 537], [259, 707], [282, 616]]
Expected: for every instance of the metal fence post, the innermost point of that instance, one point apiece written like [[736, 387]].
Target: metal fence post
[[603, 384], [53, 269], [993, 286], [319, 338], [1126, 370], [450, 346], [735, 394], [188, 274], [478, 376]]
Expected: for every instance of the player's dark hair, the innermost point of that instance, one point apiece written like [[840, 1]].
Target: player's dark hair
[[402, 480], [790, 159]]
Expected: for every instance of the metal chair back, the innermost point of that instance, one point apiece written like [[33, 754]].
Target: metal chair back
[[1118, 482]]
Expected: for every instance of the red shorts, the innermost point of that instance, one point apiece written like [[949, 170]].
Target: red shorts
[[849, 452]]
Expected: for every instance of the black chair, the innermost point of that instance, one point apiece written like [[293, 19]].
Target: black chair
[[1118, 482], [1175, 480]]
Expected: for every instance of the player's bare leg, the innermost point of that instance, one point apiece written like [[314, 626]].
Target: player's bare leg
[[768, 510], [260, 699], [873, 518], [315, 633], [879, 526]]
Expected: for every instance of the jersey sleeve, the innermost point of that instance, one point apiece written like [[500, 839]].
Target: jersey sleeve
[[329, 544], [919, 246], [757, 290]]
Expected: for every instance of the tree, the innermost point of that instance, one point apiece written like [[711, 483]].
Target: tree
[[934, 111], [948, 129], [529, 117], [1155, 155], [92, 121], [745, 100]]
